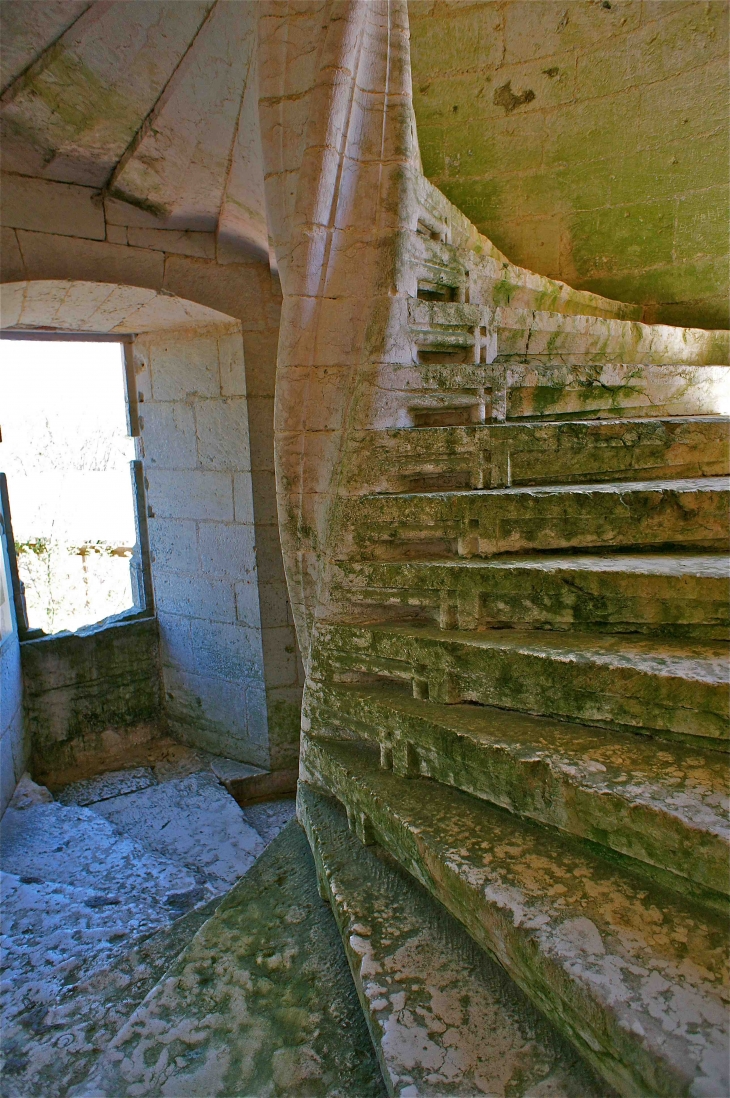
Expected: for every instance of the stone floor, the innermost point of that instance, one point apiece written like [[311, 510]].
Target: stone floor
[[102, 887]]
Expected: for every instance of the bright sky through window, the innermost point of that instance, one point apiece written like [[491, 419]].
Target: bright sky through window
[[66, 454]]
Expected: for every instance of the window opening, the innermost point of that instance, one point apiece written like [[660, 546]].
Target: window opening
[[71, 481]]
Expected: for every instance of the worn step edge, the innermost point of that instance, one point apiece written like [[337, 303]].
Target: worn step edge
[[664, 688], [654, 804], [628, 974], [443, 1016], [642, 516], [417, 459], [665, 594]]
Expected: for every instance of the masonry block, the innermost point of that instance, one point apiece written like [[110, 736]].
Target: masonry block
[[190, 495], [168, 433], [210, 600], [226, 651], [184, 366], [227, 550], [222, 427]]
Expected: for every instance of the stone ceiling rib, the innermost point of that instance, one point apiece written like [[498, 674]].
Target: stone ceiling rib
[[78, 107], [178, 168], [242, 222], [24, 40]]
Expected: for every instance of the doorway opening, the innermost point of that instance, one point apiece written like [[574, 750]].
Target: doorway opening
[[70, 466]]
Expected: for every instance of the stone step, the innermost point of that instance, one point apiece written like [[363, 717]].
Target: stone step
[[663, 805], [631, 974], [87, 911], [667, 688], [260, 1003], [499, 455], [441, 388], [647, 515], [663, 594], [526, 334], [544, 335], [54, 1039], [430, 996]]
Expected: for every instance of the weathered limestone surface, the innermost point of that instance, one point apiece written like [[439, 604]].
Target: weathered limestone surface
[[84, 691], [632, 974], [588, 142], [511, 454], [667, 686], [442, 1015], [95, 912], [410, 351], [664, 594], [261, 1002], [689, 513], [663, 805], [437, 405], [204, 418]]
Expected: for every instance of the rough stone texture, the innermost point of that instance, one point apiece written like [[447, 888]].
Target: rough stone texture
[[395, 313], [208, 453], [484, 455], [86, 694], [662, 805], [197, 824], [664, 594], [402, 328], [662, 687], [691, 514], [632, 974], [588, 141], [195, 437], [430, 997], [95, 916], [261, 1002], [114, 783]]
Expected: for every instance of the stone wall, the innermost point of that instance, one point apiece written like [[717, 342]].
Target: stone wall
[[13, 738], [195, 439], [91, 698], [68, 232], [587, 139]]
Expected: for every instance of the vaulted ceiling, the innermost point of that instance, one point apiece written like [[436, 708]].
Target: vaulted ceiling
[[153, 103]]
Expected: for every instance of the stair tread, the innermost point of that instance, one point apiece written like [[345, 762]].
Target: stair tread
[[631, 974], [260, 1002], [687, 484], [669, 777], [664, 805], [545, 421], [429, 995], [704, 661], [712, 565]]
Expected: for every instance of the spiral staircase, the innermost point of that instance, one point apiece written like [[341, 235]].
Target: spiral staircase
[[503, 505]]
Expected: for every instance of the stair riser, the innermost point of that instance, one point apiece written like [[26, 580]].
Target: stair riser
[[497, 884], [500, 456], [528, 785], [448, 670], [577, 599], [485, 524]]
